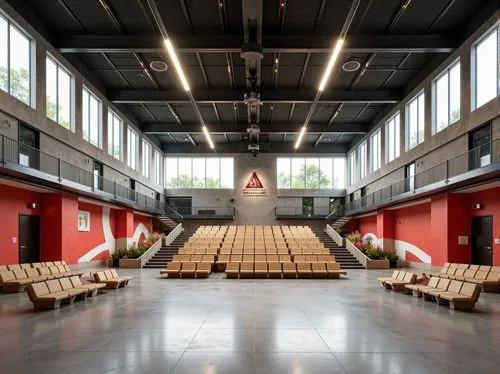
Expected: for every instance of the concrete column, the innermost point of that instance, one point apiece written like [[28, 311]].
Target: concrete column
[[124, 228], [385, 230]]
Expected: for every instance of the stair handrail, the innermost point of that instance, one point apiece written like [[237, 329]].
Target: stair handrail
[[176, 213], [339, 211], [165, 240], [353, 250]]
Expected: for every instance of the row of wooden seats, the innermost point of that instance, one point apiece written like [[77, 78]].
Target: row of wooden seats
[[398, 280], [187, 270], [224, 259], [456, 294], [194, 258], [111, 279], [30, 266], [488, 277], [285, 270], [259, 251], [50, 294], [192, 251], [18, 280]]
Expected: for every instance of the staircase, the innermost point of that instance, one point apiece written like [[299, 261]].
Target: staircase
[[165, 254], [342, 221], [168, 222], [342, 255]]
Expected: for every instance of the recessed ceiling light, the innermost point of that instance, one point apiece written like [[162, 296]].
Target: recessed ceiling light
[[351, 66], [159, 66]]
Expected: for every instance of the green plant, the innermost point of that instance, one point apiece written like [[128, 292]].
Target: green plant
[[341, 231], [391, 256], [374, 253]]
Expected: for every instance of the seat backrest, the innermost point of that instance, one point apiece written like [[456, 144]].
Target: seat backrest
[[196, 258], [444, 270], [318, 266], [401, 275], [204, 266], [409, 277], [31, 273], [285, 258], [453, 265], [174, 266], [463, 266], [61, 268], [39, 289], [3, 268], [485, 268], [395, 274], [455, 286], [114, 273], [471, 290], [246, 266], [25, 266], [446, 264], [480, 274], [333, 266], [6, 276], [443, 284], [208, 258], [275, 266], [299, 258], [470, 273], [495, 277], [36, 265], [190, 266], [20, 274], [100, 276], [66, 267], [460, 271], [223, 258], [451, 271], [14, 267], [272, 258], [304, 266], [54, 285], [260, 258], [108, 274], [66, 283], [43, 271], [233, 266], [49, 264], [289, 266], [260, 266], [54, 270], [433, 282], [57, 263], [473, 267], [311, 258], [248, 258], [236, 258], [75, 281]]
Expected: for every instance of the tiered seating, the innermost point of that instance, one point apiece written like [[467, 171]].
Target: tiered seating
[[19, 276], [50, 294], [488, 277]]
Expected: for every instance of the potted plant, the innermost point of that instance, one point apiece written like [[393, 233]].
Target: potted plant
[[393, 259]]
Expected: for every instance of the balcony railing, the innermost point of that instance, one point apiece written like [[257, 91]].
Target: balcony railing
[[475, 159], [204, 212], [301, 212], [23, 158]]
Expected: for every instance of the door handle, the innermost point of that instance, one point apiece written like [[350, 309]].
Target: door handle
[[24, 246]]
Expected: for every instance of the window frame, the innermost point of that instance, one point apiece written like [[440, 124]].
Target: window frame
[[377, 134], [31, 63], [363, 160], [167, 177], [305, 163], [146, 158], [59, 67], [395, 121], [100, 113], [446, 72], [473, 63], [415, 98], [351, 166], [112, 115], [133, 166], [157, 167]]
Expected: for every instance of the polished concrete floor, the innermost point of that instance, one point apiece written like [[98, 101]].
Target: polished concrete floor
[[249, 326]]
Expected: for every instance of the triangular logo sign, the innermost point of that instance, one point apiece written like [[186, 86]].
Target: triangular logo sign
[[254, 182]]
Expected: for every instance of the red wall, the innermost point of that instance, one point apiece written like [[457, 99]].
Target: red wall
[[368, 225], [13, 202], [412, 225]]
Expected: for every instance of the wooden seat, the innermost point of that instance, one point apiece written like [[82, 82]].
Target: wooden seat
[[274, 269], [9, 283], [232, 269], [260, 270], [289, 270], [92, 289], [442, 285], [490, 284], [246, 270], [111, 284], [416, 289], [172, 270], [260, 258], [466, 298], [248, 258], [318, 270], [333, 270], [394, 275], [203, 270], [67, 286], [304, 269], [45, 271], [55, 287], [221, 262], [399, 285], [42, 298], [188, 269]]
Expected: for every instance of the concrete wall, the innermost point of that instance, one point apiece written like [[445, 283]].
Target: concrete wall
[[56, 140], [254, 209], [441, 146]]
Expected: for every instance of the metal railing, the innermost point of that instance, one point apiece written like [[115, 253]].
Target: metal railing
[[205, 211], [22, 156], [337, 212], [474, 159], [173, 214], [300, 211]]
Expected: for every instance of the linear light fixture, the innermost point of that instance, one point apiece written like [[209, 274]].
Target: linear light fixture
[[331, 63], [301, 135], [207, 135], [177, 64]]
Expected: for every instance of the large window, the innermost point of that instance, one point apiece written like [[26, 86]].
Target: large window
[[446, 98], [132, 146], [310, 172], [199, 172], [486, 75], [59, 94], [146, 158], [415, 121], [392, 138], [115, 135], [352, 168], [362, 160], [157, 166], [91, 118], [375, 147], [15, 61]]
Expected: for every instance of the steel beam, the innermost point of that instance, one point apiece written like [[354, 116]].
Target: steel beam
[[273, 43], [267, 147], [278, 96], [232, 128]]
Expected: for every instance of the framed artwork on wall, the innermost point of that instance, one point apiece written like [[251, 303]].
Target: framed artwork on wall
[[83, 220]]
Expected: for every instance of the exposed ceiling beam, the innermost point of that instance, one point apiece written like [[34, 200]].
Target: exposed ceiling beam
[[70, 13], [232, 128], [277, 96], [280, 43], [191, 140], [265, 147]]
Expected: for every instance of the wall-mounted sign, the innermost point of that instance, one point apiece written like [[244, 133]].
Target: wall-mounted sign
[[254, 187], [83, 220]]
